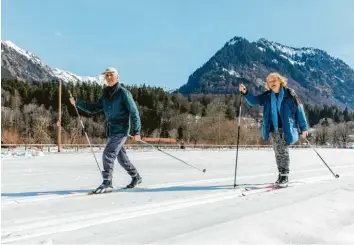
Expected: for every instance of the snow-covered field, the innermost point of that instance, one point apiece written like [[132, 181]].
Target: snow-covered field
[[42, 199]]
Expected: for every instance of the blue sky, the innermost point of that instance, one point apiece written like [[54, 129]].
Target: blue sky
[[161, 42]]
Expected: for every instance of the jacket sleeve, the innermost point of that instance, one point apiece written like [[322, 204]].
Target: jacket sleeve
[[257, 100], [300, 112], [90, 107], [133, 111], [301, 118]]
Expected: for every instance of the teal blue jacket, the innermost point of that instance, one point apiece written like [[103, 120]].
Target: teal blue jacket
[[292, 114], [119, 109]]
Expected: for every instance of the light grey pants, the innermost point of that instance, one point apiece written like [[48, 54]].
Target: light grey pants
[[281, 150], [115, 150]]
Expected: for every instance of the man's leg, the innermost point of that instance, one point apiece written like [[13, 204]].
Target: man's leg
[[110, 153], [129, 167], [126, 163]]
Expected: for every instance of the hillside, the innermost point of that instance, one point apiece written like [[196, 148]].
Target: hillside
[[317, 77]]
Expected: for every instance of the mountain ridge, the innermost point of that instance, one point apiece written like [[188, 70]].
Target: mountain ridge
[[21, 64], [317, 76]]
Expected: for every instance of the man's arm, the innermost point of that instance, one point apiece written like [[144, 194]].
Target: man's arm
[[90, 107], [133, 112]]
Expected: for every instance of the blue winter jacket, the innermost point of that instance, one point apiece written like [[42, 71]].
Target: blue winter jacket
[[119, 108], [291, 113]]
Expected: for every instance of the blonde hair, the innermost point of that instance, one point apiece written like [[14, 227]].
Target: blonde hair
[[283, 80]]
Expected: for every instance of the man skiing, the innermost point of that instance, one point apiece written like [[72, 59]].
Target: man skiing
[[283, 118], [119, 108]]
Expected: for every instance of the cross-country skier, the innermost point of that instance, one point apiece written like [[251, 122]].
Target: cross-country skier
[[119, 107], [283, 118]]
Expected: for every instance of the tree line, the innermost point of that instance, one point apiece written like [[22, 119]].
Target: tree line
[[29, 113]]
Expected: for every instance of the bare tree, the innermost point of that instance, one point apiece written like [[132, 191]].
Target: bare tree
[[75, 132], [5, 98], [156, 133], [173, 133], [344, 131], [15, 100], [322, 135], [195, 126], [334, 134], [40, 130]]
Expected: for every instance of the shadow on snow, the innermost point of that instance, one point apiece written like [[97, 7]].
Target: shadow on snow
[[138, 189]]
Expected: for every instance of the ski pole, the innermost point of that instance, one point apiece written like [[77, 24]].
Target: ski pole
[[83, 127], [204, 170], [238, 138], [335, 175]]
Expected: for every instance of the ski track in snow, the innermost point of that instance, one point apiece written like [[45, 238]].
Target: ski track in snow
[[174, 196], [45, 197]]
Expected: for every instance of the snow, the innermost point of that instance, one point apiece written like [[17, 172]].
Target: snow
[[30, 56], [261, 49], [60, 74], [71, 77], [10, 44], [234, 40], [293, 55], [42, 201], [341, 80], [232, 72], [293, 62], [260, 82], [286, 50]]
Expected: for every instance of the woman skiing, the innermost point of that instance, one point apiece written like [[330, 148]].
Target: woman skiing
[[283, 118]]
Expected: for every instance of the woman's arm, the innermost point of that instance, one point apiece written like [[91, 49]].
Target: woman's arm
[[252, 100]]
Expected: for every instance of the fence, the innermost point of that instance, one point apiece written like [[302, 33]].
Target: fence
[[78, 147]]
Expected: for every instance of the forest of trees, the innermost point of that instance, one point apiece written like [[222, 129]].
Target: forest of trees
[[29, 114]]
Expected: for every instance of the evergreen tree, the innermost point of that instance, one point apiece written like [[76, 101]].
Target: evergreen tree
[[346, 115]]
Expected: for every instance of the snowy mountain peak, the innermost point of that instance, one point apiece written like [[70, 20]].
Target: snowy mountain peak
[[24, 65], [235, 40], [69, 76], [286, 50], [30, 56], [321, 78]]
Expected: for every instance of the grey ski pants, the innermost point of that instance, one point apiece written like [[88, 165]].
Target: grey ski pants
[[115, 150], [281, 150]]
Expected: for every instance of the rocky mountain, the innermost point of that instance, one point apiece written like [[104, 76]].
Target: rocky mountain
[[317, 77], [23, 65]]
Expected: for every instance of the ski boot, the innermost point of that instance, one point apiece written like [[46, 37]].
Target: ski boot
[[278, 180], [135, 181], [283, 182], [105, 187]]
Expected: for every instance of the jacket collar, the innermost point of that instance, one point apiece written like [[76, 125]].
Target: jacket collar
[[108, 92]]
